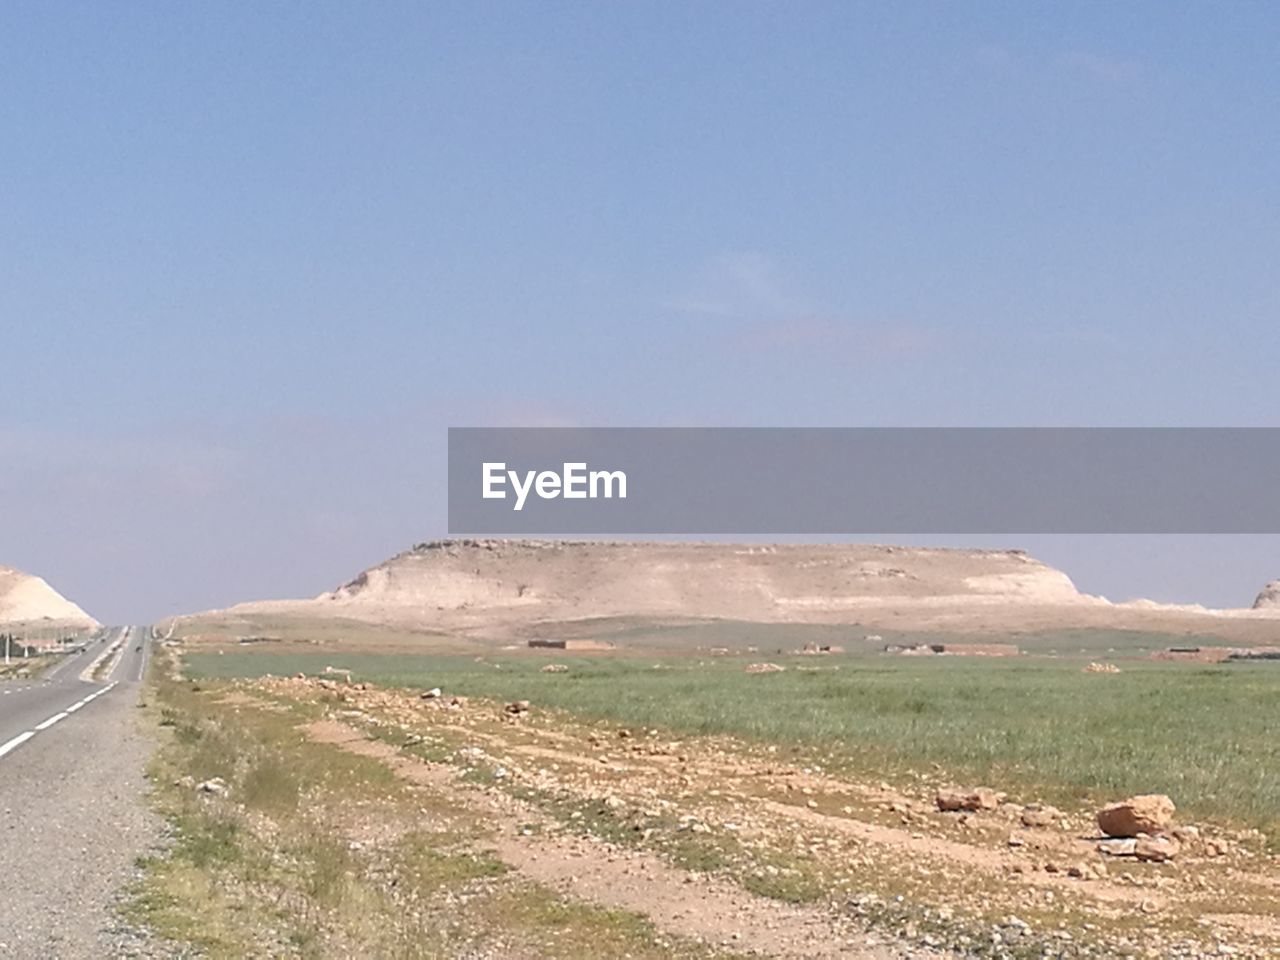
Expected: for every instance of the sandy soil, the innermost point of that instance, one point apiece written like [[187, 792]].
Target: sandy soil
[[676, 901], [560, 793]]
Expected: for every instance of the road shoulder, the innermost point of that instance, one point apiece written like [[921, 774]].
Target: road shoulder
[[75, 824]]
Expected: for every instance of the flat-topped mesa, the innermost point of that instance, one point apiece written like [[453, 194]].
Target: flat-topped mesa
[[28, 599], [770, 582], [1269, 598]]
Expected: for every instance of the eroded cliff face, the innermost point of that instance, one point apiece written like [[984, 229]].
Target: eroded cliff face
[[530, 579], [28, 599]]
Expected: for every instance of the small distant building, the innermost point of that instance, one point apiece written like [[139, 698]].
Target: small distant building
[[913, 649], [1199, 654], [570, 645], [816, 648], [981, 649], [955, 649], [588, 645], [1260, 653]]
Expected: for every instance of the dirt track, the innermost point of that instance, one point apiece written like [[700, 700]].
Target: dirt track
[[675, 900], [562, 796]]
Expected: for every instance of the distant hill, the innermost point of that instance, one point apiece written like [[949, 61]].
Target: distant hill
[[508, 589], [463, 584], [27, 599], [1269, 597]]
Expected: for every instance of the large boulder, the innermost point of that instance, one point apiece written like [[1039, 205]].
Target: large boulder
[[1150, 814], [1269, 598]]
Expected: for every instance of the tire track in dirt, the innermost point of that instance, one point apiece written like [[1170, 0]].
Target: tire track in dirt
[[878, 845], [676, 901], [911, 845]]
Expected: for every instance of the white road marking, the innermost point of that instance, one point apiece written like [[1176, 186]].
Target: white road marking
[[17, 741], [51, 721], [22, 738]]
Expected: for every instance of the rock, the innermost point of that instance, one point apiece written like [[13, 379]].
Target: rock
[[765, 668], [516, 708], [1269, 598], [1035, 815], [981, 798], [1156, 849], [1118, 848], [1102, 668], [433, 694], [216, 786], [555, 668], [1150, 814]]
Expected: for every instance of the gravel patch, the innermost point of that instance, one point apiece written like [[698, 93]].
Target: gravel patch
[[74, 822]]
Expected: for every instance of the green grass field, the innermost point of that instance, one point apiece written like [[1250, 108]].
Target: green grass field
[[655, 634], [273, 867], [1209, 736]]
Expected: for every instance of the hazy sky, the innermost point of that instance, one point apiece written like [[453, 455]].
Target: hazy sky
[[257, 257]]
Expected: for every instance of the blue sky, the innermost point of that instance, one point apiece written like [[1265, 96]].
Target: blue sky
[[258, 257]]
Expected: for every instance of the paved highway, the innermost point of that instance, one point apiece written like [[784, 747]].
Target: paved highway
[[72, 815], [26, 706]]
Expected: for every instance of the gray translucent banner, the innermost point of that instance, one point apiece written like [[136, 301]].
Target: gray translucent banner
[[863, 480]]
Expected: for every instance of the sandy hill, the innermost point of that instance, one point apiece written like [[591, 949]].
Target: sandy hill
[[462, 584], [28, 599], [1269, 597]]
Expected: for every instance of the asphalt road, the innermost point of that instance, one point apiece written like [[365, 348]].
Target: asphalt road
[[25, 704], [72, 815]]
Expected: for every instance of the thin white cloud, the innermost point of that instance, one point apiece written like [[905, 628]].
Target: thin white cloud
[[758, 306], [735, 285]]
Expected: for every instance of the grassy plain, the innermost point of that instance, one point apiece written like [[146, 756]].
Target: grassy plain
[[1207, 735], [299, 849], [361, 817]]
